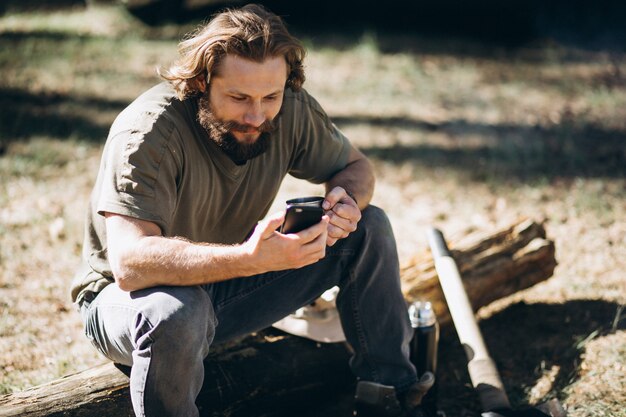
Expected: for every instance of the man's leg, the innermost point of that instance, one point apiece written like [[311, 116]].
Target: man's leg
[[164, 333], [373, 312], [372, 309]]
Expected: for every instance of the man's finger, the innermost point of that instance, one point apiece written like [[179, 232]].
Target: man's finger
[[342, 222], [347, 211], [337, 232], [333, 197], [317, 247]]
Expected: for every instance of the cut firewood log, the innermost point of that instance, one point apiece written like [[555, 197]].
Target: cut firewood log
[[492, 267], [245, 377]]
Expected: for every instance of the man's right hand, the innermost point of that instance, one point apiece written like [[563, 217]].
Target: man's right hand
[[274, 251]]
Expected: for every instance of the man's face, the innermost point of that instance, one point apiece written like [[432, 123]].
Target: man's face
[[243, 98]]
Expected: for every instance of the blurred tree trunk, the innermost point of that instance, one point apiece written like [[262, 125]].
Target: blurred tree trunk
[[244, 376]]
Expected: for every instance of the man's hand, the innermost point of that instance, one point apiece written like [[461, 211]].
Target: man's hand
[[343, 212], [274, 251]]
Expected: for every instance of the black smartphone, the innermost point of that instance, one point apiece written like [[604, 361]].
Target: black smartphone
[[299, 218]]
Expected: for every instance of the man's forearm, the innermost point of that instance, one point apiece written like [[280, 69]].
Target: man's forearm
[[357, 178], [157, 260], [141, 257]]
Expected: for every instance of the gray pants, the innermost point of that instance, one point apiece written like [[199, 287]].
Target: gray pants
[[165, 333]]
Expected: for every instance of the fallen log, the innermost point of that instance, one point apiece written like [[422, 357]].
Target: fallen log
[[246, 377], [492, 267]]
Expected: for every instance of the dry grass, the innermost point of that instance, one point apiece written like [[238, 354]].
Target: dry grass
[[463, 136]]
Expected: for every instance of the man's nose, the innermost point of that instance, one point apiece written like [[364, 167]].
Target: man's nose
[[254, 115]]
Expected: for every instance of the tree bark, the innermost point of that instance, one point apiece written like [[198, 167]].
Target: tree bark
[[247, 376]]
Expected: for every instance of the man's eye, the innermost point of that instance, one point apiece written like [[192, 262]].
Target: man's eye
[[236, 98], [271, 98]]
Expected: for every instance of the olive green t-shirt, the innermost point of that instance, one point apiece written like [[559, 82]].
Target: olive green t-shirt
[[159, 165]]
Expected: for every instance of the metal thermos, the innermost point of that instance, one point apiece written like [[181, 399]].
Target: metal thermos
[[424, 347]]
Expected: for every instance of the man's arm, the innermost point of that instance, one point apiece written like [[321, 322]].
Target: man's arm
[[141, 257], [347, 193]]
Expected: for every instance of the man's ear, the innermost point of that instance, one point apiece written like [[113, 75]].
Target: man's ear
[[200, 83]]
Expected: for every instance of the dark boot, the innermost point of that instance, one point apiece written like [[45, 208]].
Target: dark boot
[[412, 399], [377, 400]]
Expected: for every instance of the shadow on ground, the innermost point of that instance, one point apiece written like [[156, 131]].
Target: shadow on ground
[[24, 115], [525, 153], [572, 148], [515, 152], [588, 24], [524, 339], [569, 149]]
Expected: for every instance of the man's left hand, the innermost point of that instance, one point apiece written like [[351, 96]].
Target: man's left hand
[[344, 214]]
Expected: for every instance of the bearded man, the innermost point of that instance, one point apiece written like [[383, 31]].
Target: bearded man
[[180, 252]]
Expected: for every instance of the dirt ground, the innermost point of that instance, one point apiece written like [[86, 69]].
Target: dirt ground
[[463, 136]]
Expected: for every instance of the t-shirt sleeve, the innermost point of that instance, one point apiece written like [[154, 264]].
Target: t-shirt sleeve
[[140, 175], [321, 149]]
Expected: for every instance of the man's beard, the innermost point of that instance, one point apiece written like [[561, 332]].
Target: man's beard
[[220, 132]]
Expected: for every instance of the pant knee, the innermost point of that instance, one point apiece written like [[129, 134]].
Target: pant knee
[[182, 316], [375, 223]]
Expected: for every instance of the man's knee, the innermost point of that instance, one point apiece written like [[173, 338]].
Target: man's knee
[[374, 221], [178, 314]]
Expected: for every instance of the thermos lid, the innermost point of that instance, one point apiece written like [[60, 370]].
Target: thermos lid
[[421, 314]]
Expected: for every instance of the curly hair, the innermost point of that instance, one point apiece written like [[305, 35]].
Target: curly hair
[[251, 32]]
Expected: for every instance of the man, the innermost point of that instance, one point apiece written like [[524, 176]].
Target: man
[[176, 257]]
